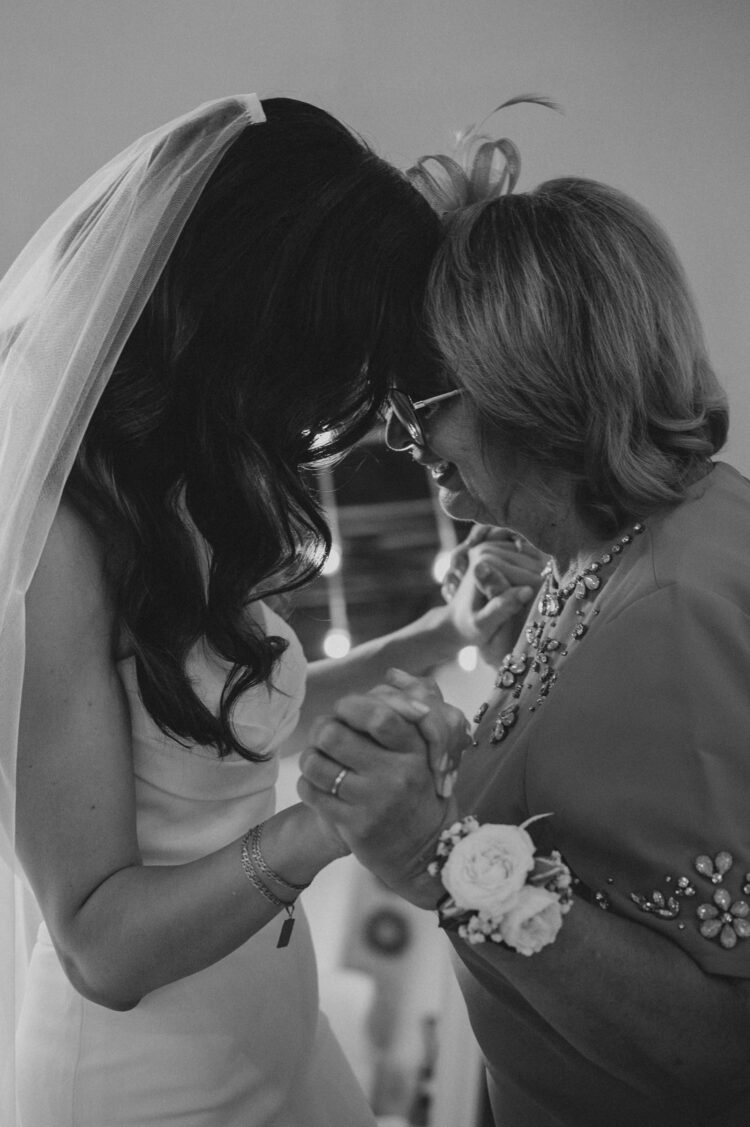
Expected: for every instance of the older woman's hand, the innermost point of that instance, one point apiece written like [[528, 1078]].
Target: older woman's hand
[[445, 729], [369, 771], [493, 576]]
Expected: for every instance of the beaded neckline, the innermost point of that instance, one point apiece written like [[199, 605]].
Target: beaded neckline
[[554, 598], [537, 669]]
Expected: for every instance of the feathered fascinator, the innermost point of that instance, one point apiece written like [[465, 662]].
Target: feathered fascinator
[[480, 169]]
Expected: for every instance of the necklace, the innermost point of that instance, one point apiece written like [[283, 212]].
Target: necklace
[[537, 667], [554, 598]]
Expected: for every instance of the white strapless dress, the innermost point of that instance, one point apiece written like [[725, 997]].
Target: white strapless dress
[[240, 1044]]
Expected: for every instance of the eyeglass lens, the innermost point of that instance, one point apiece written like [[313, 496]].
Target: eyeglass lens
[[403, 409]]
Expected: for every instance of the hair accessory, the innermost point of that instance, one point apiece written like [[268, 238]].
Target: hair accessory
[[481, 169], [255, 110], [498, 888], [336, 785], [250, 858]]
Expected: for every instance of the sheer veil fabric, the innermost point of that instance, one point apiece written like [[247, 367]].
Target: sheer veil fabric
[[67, 305]]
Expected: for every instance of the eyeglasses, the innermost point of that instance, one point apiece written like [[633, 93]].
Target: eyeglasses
[[405, 409]]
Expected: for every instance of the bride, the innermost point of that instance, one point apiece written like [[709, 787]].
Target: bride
[[222, 306]]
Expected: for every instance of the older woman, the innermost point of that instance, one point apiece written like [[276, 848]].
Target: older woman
[[584, 415]]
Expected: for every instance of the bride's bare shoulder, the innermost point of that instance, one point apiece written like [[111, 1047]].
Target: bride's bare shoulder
[[71, 577], [72, 541]]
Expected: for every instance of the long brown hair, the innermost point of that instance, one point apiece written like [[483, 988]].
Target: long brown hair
[[287, 308]]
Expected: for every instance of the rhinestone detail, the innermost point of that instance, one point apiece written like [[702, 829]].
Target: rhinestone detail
[[534, 672], [721, 919]]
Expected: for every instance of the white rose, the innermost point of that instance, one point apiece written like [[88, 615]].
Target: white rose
[[488, 867], [532, 921]]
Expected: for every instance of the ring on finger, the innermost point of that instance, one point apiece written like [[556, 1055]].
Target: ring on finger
[[336, 784]]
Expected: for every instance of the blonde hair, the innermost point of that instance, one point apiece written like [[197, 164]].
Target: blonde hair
[[565, 314]]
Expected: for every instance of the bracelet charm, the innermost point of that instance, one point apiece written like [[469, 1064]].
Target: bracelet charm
[[253, 864]]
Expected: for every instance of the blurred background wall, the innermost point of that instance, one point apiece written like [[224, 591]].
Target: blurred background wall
[[656, 98]]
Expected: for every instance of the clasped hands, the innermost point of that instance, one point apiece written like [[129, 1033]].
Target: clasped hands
[[380, 770]]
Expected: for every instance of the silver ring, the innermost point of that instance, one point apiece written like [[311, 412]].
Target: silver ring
[[336, 785]]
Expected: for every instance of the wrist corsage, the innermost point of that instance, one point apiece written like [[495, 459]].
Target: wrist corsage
[[498, 888]]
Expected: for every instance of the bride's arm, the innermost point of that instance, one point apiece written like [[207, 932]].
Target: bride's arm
[[120, 928], [482, 613], [431, 640]]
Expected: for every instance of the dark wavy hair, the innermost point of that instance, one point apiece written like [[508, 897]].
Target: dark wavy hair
[[288, 306], [566, 315]]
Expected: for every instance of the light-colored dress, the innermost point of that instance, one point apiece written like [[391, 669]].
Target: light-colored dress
[[239, 1044]]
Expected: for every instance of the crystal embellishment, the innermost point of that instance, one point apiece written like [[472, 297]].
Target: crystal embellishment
[[724, 919], [518, 672], [657, 904], [552, 600], [715, 870], [503, 724]]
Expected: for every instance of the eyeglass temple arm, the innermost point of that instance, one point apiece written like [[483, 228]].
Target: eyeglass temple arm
[[437, 398]]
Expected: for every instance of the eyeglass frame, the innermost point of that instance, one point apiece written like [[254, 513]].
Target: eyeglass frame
[[408, 417]]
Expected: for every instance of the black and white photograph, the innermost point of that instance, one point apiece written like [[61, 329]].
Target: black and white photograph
[[374, 563]]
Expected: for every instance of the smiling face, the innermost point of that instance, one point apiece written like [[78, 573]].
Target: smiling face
[[479, 480]]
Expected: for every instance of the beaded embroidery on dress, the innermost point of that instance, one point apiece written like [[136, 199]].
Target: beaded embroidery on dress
[[535, 667]]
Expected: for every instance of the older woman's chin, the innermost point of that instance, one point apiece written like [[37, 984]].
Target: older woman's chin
[[460, 505]]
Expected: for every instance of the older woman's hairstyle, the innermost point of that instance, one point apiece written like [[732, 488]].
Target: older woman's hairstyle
[[288, 307], [565, 314]]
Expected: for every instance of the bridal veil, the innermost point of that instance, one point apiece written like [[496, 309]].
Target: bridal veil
[[67, 305]]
